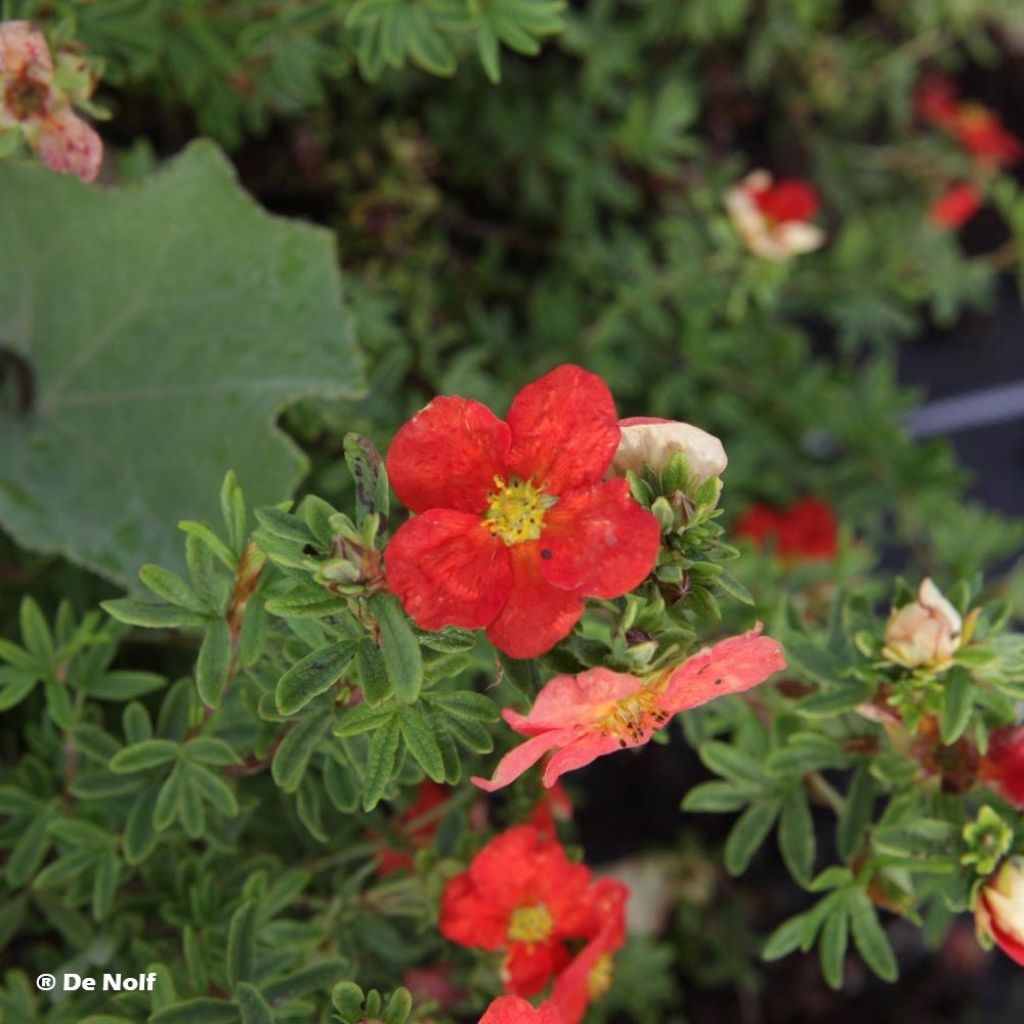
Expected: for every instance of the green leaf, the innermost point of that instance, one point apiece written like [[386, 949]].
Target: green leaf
[[292, 757], [716, 797], [311, 676], [373, 675], [869, 937], [30, 849], [171, 587], [784, 939], [104, 885], [796, 835], [215, 791], [380, 762], [749, 832], [140, 757], [857, 813], [166, 808], [834, 937], [241, 952], [198, 1011], [316, 978], [152, 616], [123, 684], [252, 1005], [420, 740], [210, 750], [957, 704], [35, 633], [402, 656], [371, 480], [732, 764], [140, 838], [213, 663], [203, 303]]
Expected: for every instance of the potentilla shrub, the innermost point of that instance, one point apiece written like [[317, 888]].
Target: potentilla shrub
[[298, 825]]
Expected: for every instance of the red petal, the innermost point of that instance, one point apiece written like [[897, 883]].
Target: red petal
[[1011, 946], [511, 869], [598, 541], [956, 206], [732, 666], [515, 1010], [521, 759], [470, 917], [448, 455], [530, 966], [536, 615], [448, 569], [788, 200], [564, 430]]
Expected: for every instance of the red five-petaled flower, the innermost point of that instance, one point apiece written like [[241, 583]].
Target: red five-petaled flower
[[514, 526], [600, 711], [522, 895]]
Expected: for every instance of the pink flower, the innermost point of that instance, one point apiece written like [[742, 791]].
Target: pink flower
[[513, 1010], [38, 108], [595, 713]]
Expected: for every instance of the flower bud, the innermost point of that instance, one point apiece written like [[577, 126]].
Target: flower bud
[[924, 633], [999, 912], [654, 441]]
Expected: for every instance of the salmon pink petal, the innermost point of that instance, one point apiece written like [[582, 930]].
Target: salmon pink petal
[[69, 145], [731, 666], [515, 1010], [448, 569], [564, 430], [529, 966], [587, 747], [568, 701], [22, 44], [536, 615], [599, 541], [521, 759], [448, 455]]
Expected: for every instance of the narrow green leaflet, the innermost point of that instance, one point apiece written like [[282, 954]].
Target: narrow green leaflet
[[402, 657], [312, 675], [159, 367]]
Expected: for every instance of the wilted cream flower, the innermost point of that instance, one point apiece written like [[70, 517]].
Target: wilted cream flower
[[999, 912], [773, 219], [654, 441], [924, 633], [35, 101]]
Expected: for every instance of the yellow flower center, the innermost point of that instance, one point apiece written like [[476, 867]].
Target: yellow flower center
[[530, 924], [599, 980], [628, 717], [515, 510]]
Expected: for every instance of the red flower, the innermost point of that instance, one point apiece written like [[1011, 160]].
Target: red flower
[[599, 712], [806, 531], [789, 199], [1002, 767], [523, 895], [514, 526], [513, 1010], [976, 128], [416, 832], [589, 976], [956, 206]]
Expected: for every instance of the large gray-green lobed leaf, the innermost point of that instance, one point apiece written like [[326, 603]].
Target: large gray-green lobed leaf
[[157, 330]]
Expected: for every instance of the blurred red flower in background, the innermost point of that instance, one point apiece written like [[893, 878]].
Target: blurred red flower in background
[[1002, 767], [514, 1010], [412, 829], [806, 531], [956, 206]]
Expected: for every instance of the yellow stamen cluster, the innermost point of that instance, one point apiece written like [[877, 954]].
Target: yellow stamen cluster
[[530, 924], [599, 980], [629, 716], [515, 510]]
